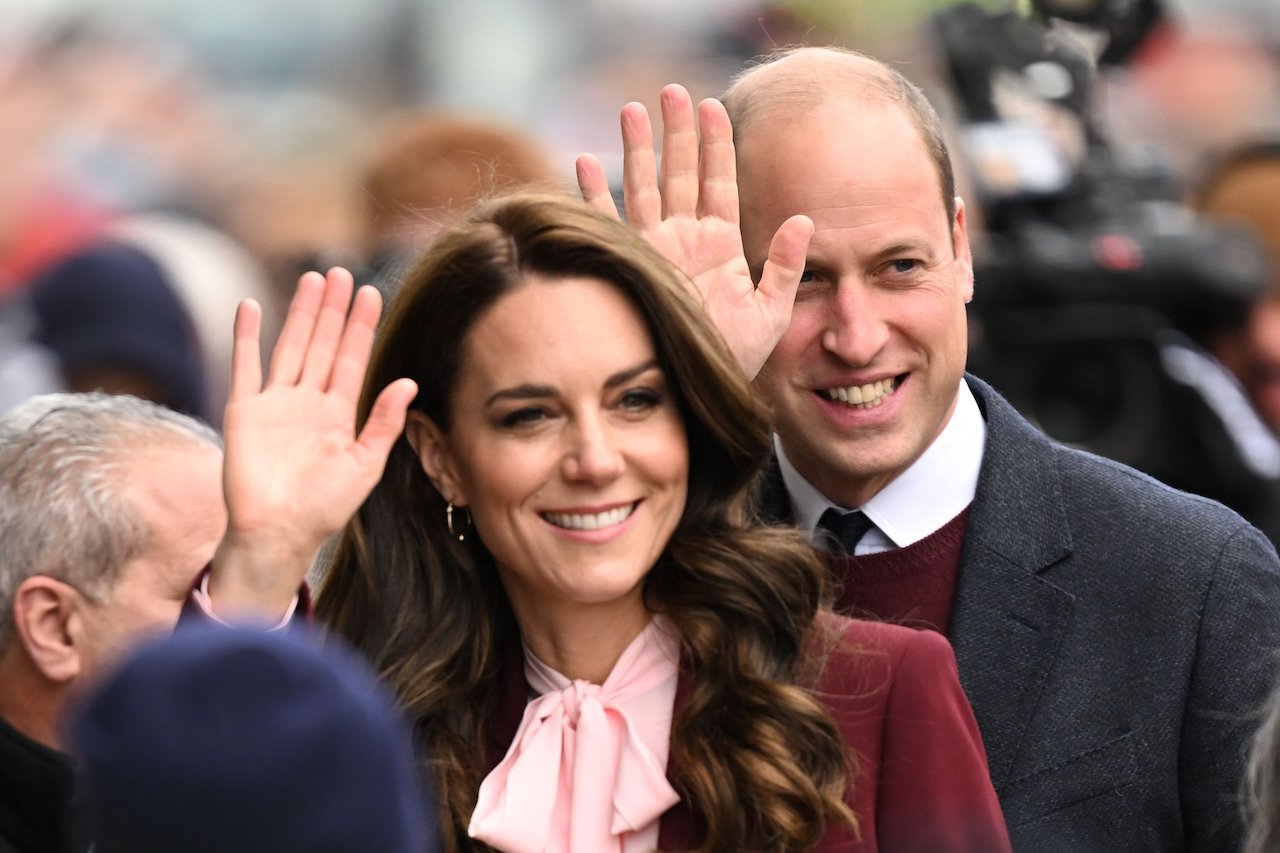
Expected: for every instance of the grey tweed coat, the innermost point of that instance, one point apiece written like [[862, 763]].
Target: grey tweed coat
[[1117, 639]]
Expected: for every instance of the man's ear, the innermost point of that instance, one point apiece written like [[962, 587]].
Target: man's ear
[[960, 242], [47, 621], [432, 449]]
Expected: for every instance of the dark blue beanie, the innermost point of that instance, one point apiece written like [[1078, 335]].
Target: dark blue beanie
[[111, 305], [223, 739]]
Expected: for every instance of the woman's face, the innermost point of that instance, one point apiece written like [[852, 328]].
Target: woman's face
[[566, 445]]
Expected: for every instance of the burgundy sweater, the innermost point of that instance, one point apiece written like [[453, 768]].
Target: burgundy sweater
[[911, 586]]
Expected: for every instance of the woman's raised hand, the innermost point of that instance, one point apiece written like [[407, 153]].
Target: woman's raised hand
[[295, 470], [692, 219]]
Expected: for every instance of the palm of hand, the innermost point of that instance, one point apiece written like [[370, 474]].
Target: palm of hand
[[295, 470], [693, 221], [297, 464], [709, 252]]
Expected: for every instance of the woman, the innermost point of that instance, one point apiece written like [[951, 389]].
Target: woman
[[560, 563]]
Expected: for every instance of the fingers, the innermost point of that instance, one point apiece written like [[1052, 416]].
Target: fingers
[[717, 170], [329, 327], [640, 196], [246, 358], [320, 317], [386, 420], [679, 153], [291, 346], [594, 186], [785, 264], [357, 340]]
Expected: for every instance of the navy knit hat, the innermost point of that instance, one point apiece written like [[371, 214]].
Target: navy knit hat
[[109, 305], [225, 739]]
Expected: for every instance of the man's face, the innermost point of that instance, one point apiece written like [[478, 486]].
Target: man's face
[[176, 488], [867, 373]]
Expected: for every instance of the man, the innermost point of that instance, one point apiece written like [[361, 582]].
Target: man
[[1243, 189], [109, 508], [1114, 636]]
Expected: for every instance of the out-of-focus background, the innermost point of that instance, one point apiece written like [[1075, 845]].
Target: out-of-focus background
[[162, 159]]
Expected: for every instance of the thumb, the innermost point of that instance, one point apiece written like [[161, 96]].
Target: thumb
[[780, 277], [386, 421], [785, 264]]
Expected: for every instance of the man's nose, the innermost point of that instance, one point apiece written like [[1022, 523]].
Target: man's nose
[[856, 330]]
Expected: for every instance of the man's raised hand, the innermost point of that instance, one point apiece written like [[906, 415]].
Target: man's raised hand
[[691, 217]]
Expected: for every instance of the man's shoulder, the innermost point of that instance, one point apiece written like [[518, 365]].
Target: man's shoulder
[[1086, 482]]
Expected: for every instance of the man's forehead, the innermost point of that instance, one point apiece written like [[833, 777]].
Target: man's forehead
[[176, 490], [167, 477], [820, 153]]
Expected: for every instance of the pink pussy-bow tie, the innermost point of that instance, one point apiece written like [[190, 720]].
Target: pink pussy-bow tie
[[578, 776]]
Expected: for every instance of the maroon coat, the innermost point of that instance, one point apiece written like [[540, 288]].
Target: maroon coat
[[922, 782]]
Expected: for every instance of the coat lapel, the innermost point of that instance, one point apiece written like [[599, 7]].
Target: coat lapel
[[1008, 621]]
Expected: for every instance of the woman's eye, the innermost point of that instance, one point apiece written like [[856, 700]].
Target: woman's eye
[[640, 399], [522, 417]]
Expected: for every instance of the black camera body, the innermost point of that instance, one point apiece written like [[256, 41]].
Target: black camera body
[[1096, 288]]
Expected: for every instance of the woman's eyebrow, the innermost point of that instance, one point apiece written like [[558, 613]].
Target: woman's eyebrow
[[529, 391]]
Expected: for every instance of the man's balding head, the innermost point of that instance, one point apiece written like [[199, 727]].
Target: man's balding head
[[794, 81]]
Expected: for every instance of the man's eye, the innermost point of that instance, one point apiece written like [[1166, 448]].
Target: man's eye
[[807, 276], [904, 265]]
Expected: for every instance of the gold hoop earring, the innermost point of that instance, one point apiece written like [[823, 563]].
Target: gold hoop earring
[[448, 520]]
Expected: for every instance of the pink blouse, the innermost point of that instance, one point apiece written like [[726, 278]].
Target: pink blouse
[[586, 770]]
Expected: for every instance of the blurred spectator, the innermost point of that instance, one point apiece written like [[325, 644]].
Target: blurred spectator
[[429, 168], [218, 739], [211, 273], [114, 323], [1194, 90], [296, 203], [109, 507], [1262, 784], [26, 367], [1243, 188], [42, 213], [105, 115]]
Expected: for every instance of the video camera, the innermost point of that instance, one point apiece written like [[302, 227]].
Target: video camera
[[1096, 288]]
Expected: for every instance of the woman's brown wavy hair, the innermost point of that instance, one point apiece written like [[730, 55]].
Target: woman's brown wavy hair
[[752, 750]]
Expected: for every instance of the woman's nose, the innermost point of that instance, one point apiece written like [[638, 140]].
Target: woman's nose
[[593, 455]]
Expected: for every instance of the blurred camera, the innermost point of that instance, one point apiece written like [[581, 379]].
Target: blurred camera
[[1096, 287]]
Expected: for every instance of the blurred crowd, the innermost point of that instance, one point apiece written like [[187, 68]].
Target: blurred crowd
[[152, 178], [160, 164]]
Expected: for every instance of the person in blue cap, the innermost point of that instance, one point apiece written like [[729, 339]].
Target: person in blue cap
[[218, 739]]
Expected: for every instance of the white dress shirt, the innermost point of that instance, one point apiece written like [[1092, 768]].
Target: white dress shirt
[[931, 492]]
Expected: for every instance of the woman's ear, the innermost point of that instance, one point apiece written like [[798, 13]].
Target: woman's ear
[[432, 449], [47, 623]]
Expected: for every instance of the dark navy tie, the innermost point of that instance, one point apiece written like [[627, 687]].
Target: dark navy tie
[[846, 528]]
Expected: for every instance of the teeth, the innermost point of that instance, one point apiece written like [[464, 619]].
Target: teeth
[[594, 521], [864, 396]]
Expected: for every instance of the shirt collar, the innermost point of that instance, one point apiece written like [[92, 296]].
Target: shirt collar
[[931, 492]]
